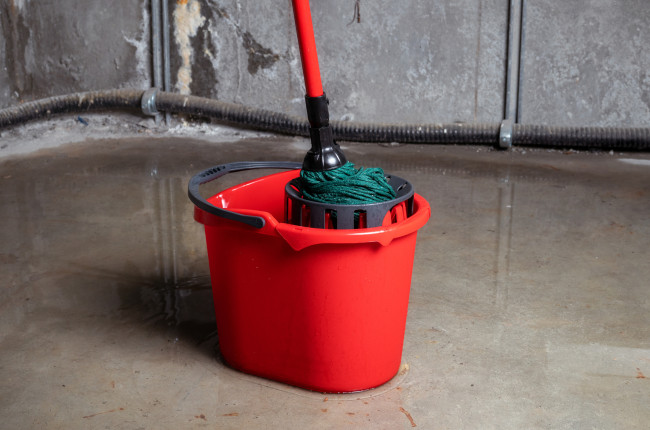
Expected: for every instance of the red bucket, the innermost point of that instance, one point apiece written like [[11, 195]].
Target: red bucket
[[319, 309]]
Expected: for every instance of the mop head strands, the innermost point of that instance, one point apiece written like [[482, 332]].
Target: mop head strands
[[347, 197], [346, 185]]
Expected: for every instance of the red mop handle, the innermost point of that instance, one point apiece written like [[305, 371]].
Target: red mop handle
[[307, 43]]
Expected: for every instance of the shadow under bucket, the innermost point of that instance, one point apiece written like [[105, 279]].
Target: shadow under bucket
[[320, 309]]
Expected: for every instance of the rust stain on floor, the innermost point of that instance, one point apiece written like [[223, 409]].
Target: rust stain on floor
[[410, 418]]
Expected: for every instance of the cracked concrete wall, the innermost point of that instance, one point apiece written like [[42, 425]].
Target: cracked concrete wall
[[54, 47], [397, 61], [584, 62]]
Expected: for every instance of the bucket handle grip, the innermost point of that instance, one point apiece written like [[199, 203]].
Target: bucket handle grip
[[216, 172]]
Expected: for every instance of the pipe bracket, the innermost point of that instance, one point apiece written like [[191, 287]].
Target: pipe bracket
[[505, 134], [148, 103]]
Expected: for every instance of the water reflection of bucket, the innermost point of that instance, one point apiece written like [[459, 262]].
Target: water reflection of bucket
[[319, 309]]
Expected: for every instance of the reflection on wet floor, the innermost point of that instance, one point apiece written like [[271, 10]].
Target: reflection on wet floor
[[529, 293]]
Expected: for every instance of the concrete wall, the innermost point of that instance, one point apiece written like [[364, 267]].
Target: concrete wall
[[54, 47], [400, 61], [584, 62]]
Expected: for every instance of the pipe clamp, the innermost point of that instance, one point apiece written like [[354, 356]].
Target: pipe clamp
[[505, 134], [148, 103]]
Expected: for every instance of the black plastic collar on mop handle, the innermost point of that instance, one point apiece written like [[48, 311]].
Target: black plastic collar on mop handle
[[325, 153]]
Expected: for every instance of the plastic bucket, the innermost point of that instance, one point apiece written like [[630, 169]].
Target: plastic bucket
[[319, 309]]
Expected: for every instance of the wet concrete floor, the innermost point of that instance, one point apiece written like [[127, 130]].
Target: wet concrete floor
[[529, 307]]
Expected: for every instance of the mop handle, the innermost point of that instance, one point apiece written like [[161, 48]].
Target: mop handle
[[307, 43]]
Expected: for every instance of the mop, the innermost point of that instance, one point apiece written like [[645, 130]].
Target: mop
[[327, 176]]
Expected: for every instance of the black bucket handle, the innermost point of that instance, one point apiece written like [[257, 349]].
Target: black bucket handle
[[216, 172]]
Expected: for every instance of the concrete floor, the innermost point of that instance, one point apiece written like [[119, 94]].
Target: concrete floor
[[529, 307]]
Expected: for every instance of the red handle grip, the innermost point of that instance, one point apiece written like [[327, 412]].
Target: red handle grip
[[307, 43]]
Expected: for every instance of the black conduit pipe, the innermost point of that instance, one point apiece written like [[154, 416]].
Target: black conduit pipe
[[71, 103], [620, 139]]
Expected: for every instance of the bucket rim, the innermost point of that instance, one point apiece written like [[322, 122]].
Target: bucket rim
[[300, 237]]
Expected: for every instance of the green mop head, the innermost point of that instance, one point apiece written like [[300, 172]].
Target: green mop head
[[346, 185]]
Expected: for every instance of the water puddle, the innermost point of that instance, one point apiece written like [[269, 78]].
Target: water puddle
[[103, 263]]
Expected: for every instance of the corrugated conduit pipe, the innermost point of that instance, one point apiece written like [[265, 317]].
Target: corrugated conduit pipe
[[502, 135]]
